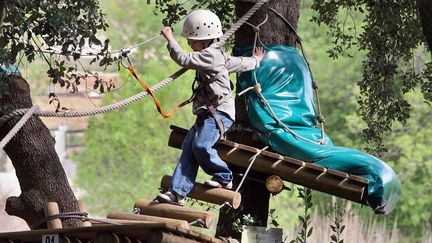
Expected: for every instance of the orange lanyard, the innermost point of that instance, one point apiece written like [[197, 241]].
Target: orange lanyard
[[158, 106]]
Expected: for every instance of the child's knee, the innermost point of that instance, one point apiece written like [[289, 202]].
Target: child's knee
[[199, 148]]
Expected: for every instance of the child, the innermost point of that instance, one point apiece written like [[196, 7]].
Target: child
[[213, 103]]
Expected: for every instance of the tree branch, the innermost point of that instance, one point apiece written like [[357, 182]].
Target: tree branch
[[2, 11]]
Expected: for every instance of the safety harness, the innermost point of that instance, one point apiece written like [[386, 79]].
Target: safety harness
[[199, 90]]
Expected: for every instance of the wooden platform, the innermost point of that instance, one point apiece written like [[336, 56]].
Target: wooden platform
[[330, 181], [143, 232]]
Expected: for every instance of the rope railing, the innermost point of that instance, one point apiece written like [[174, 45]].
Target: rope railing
[[27, 115], [138, 96], [99, 110]]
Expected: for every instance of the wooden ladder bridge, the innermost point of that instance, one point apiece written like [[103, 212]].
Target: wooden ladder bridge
[[155, 222]]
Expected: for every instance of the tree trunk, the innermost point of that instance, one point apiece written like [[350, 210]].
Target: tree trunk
[[255, 197], [37, 165], [425, 11]]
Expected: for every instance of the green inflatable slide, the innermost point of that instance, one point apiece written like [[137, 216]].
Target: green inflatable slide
[[286, 85]]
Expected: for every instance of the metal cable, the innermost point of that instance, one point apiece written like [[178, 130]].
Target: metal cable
[[70, 215]]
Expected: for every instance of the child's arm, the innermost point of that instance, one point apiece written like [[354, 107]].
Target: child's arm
[[242, 64], [196, 60]]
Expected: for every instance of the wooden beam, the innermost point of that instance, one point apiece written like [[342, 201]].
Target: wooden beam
[[333, 182], [212, 195], [167, 210], [146, 218], [274, 184]]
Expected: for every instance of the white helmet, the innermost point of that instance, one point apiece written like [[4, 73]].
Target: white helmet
[[202, 25]]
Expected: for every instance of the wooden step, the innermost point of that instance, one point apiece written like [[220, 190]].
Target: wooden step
[[207, 194], [333, 182], [166, 210], [146, 218]]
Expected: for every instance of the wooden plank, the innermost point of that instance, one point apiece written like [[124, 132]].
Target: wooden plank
[[312, 176], [212, 195], [167, 210], [131, 218]]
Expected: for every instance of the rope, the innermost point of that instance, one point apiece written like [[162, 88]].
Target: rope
[[99, 110], [252, 161], [18, 126]]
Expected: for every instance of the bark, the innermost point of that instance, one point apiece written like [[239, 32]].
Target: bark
[[425, 12], [2, 11], [37, 165], [255, 197]]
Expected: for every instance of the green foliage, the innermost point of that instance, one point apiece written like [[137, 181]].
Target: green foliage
[[30, 27], [273, 218], [410, 154], [391, 31], [337, 226], [244, 221], [306, 230]]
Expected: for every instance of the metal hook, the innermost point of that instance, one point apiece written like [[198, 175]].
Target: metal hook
[[125, 53]]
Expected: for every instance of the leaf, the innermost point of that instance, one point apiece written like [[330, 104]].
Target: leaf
[[334, 238], [310, 232], [342, 229]]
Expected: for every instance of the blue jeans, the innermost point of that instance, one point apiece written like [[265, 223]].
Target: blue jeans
[[197, 150]]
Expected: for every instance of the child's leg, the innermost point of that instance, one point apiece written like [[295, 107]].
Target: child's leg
[[206, 156], [187, 168]]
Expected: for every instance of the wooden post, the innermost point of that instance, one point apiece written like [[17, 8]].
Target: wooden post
[[51, 208], [204, 193], [274, 184], [83, 209], [173, 211], [138, 217]]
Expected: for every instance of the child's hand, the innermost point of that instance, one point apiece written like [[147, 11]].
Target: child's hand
[[167, 33], [259, 53]]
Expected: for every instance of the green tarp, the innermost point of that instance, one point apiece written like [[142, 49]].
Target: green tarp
[[287, 86]]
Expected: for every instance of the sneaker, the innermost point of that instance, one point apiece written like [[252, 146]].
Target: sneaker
[[171, 197], [217, 184]]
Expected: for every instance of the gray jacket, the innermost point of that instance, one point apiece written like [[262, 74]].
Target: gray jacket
[[210, 62]]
